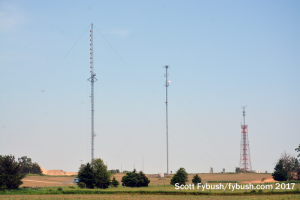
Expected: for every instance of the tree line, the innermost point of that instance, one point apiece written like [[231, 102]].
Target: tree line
[[12, 172]]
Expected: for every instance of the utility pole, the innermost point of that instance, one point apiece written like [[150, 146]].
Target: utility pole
[[92, 79], [143, 164], [167, 85]]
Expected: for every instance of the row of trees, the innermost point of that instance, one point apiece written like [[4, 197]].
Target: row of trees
[[28, 167], [96, 175], [12, 172], [181, 177]]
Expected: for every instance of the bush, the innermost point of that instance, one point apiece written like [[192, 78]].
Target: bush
[[114, 182], [196, 179], [59, 189], [112, 171], [81, 184], [72, 187], [180, 177], [134, 179]]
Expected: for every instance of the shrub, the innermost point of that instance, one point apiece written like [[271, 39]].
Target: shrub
[[81, 184], [59, 189], [114, 182], [196, 179], [134, 179], [72, 187], [180, 177]]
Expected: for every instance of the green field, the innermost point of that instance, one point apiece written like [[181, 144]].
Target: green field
[[46, 187], [149, 197]]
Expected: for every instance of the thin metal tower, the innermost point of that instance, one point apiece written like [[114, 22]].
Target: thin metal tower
[[92, 79], [245, 160], [167, 85]]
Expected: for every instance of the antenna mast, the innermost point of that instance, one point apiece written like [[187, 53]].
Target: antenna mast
[[92, 79], [245, 160], [167, 85]]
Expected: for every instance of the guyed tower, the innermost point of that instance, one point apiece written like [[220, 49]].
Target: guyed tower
[[245, 160], [167, 122], [92, 79]]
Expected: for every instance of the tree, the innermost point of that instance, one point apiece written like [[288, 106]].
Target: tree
[[290, 164], [102, 175], [118, 171], [180, 177], [27, 167], [237, 170], [25, 164], [196, 179], [114, 182], [112, 171], [36, 169], [10, 176], [298, 150], [82, 166], [87, 176], [134, 179], [297, 170], [143, 179], [280, 173]]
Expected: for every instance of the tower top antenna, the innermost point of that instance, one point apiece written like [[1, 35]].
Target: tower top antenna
[[244, 114]]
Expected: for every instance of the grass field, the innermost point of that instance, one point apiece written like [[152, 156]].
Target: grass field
[[51, 181], [148, 197], [158, 189]]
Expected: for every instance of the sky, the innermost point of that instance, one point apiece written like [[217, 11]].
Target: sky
[[222, 55]]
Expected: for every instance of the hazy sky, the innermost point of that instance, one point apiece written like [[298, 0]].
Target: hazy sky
[[222, 55]]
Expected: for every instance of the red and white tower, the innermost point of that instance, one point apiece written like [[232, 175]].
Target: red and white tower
[[245, 160]]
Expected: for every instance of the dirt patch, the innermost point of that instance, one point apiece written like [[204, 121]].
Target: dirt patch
[[57, 172]]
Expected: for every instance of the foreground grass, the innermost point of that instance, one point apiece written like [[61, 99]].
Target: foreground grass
[[144, 191], [149, 197]]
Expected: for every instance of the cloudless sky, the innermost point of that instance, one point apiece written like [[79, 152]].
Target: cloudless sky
[[222, 55]]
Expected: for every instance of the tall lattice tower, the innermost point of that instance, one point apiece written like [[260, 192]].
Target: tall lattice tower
[[167, 122], [92, 79], [245, 160]]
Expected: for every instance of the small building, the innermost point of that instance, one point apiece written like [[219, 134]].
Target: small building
[[161, 175], [76, 180]]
